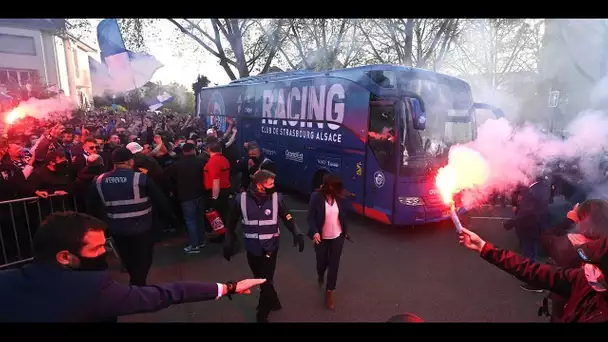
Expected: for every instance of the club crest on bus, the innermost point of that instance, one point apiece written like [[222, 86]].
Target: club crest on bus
[[307, 112], [216, 110]]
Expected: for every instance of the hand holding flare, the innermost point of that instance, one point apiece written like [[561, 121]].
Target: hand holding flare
[[466, 169]]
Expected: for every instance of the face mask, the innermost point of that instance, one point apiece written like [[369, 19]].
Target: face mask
[[269, 190], [594, 276], [98, 263]]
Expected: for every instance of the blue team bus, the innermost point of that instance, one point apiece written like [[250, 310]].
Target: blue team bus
[[385, 129]]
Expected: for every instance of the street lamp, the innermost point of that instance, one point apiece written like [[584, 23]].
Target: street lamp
[[554, 104]]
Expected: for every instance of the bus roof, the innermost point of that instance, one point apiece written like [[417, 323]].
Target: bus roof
[[353, 74]]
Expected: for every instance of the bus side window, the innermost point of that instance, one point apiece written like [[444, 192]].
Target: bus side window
[[382, 136]]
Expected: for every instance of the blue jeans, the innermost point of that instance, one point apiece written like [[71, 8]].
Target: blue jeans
[[193, 218]]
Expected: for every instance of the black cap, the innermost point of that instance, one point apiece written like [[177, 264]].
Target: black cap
[[121, 155]]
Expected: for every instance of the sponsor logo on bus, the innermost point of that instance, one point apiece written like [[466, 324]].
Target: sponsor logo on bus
[[294, 156], [308, 112], [329, 163], [269, 152]]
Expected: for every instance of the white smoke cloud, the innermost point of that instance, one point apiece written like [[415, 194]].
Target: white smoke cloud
[[518, 155], [47, 108]]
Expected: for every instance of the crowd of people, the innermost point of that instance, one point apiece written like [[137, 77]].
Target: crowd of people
[[42, 158], [129, 177], [143, 173]]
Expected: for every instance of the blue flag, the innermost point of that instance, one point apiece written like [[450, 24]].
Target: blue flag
[[122, 70], [159, 101]]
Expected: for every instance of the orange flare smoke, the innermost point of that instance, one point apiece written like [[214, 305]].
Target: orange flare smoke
[[14, 115], [466, 169]]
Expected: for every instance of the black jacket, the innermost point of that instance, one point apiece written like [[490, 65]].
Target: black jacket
[[12, 182], [316, 215], [186, 177], [44, 179], [42, 292], [84, 179], [261, 163], [155, 171], [532, 210]]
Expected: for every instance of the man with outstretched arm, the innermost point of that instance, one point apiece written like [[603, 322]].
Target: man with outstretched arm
[[67, 281]]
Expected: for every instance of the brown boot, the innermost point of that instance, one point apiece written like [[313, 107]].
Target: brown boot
[[329, 299]]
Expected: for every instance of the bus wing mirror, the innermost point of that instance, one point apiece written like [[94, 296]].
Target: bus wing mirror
[[497, 111], [418, 115]]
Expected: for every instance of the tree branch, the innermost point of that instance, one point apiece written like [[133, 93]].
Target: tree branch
[[577, 66], [369, 42]]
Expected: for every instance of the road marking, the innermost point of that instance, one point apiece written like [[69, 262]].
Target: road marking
[[490, 218]]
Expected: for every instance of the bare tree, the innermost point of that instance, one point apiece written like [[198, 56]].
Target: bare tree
[[321, 44], [79, 28], [493, 49], [246, 45], [422, 43], [241, 46], [135, 32]]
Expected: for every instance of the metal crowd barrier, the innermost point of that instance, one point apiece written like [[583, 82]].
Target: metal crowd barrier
[[19, 220]]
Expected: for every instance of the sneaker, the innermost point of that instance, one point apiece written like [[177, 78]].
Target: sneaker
[[531, 288], [192, 250]]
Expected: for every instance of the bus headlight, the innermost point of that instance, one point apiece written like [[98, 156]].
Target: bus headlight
[[411, 201]]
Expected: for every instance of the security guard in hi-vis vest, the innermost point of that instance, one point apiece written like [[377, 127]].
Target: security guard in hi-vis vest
[[259, 209], [123, 199]]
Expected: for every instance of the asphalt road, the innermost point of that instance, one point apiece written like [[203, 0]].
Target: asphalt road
[[386, 271]]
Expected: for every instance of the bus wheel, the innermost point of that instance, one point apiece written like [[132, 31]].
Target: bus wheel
[[317, 181]]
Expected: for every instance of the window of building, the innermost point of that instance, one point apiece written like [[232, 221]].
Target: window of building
[[76, 67], [18, 45], [17, 77], [13, 76], [24, 77]]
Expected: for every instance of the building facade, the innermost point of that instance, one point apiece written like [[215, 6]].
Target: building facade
[[40, 50]]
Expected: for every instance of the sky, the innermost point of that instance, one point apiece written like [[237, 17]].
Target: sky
[[181, 69]]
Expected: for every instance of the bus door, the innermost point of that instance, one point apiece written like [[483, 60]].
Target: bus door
[[381, 161]]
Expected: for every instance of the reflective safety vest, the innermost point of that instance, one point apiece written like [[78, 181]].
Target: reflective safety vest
[[260, 223], [128, 208]]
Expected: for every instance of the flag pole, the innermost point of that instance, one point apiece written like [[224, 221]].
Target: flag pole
[[137, 102]]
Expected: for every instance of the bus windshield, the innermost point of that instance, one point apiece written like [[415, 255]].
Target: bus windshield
[[449, 121]]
